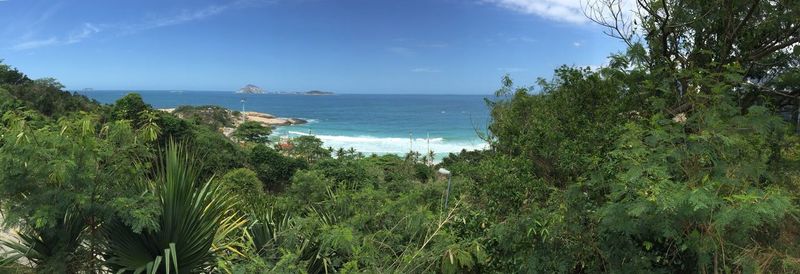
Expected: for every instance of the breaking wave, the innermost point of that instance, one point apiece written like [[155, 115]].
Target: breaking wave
[[394, 145]]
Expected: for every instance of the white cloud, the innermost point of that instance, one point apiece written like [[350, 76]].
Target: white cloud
[[85, 32], [569, 11], [32, 44], [577, 44], [426, 70]]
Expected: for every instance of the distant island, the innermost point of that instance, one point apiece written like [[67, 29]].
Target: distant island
[[312, 92], [318, 92], [251, 89]]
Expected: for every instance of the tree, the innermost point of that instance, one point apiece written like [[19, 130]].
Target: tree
[[61, 182], [243, 183], [273, 169], [308, 148], [676, 39], [11, 76], [252, 131], [129, 107]]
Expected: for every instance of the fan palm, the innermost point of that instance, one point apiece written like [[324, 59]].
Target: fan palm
[[52, 249], [192, 214]]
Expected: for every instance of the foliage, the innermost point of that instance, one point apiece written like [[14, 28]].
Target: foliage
[[252, 131], [129, 107], [44, 95], [273, 169], [75, 171], [191, 214], [51, 249], [219, 153], [244, 184], [675, 157], [308, 148], [214, 117]]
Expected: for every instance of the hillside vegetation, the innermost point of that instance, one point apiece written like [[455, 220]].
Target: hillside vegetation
[[681, 155]]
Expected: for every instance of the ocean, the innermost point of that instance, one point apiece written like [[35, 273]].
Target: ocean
[[369, 123]]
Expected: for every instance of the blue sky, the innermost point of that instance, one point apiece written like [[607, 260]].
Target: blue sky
[[346, 46]]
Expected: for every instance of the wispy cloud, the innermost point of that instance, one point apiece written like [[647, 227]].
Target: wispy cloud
[[183, 17], [403, 51], [439, 45], [569, 11], [190, 15], [87, 30], [32, 44], [524, 39], [426, 70], [76, 36], [577, 44]]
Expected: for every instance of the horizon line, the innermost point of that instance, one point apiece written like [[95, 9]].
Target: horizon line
[[268, 93]]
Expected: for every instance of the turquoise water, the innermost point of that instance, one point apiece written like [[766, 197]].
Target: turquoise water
[[369, 123]]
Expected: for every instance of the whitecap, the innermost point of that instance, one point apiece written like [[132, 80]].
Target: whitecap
[[395, 145]]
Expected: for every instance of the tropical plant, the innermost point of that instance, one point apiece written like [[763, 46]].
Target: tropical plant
[[55, 249], [192, 214]]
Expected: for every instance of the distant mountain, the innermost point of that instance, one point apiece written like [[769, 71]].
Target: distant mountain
[[251, 89], [318, 92]]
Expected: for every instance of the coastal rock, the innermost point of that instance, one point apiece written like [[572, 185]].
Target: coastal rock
[[297, 121], [271, 120], [259, 115]]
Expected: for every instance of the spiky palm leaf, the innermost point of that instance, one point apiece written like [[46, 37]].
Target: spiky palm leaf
[[190, 221], [265, 229], [51, 249]]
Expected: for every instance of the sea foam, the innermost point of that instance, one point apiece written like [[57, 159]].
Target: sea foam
[[394, 145]]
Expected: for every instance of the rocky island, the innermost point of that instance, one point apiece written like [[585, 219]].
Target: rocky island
[[250, 89]]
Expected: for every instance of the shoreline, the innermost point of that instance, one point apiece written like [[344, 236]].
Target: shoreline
[[265, 119]]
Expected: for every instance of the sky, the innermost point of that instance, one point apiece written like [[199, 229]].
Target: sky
[[344, 46]]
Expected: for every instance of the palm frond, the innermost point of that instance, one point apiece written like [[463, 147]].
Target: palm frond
[[193, 216]]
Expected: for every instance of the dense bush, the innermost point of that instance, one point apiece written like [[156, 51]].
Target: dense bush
[[214, 117], [274, 169]]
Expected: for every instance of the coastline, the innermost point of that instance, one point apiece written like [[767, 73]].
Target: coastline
[[265, 119]]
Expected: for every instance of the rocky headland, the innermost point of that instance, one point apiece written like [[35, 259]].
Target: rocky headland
[[231, 119]]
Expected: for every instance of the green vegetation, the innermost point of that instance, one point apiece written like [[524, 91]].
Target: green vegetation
[[681, 155], [214, 117], [251, 131]]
